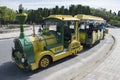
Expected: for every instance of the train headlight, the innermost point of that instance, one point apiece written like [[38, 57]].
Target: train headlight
[[23, 60]]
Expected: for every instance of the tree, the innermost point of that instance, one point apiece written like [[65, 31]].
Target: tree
[[88, 10], [46, 12], [8, 15], [114, 13], [110, 11], [72, 10], [32, 16], [55, 10], [79, 9], [37, 15], [66, 11], [0, 13], [118, 13], [62, 10]]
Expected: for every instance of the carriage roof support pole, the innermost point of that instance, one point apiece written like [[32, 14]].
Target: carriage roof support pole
[[76, 29]]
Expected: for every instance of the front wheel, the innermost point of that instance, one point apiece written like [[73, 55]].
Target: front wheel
[[44, 62]]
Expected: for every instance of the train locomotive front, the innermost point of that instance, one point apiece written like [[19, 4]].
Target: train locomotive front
[[26, 48]]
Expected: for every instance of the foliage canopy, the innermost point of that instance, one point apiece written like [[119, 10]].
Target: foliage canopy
[[36, 16]]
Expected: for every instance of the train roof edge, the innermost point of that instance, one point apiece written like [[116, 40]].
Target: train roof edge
[[63, 17], [87, 17]]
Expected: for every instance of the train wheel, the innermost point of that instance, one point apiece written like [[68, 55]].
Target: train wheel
[[44, 62]]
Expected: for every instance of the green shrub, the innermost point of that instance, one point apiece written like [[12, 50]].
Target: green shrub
[[115, 23]]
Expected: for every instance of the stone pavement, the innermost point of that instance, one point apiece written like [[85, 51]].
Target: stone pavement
[[17, 33], [109, 69], [85, 62]]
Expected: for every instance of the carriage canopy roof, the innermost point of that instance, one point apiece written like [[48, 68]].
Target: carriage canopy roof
[[88, 17], [63, 17]]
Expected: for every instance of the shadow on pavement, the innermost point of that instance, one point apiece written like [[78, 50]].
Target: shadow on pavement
[[10, 71]]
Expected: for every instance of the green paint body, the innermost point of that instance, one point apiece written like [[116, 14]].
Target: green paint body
[[23, 45]]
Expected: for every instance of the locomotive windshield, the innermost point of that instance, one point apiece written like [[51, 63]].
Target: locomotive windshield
[[51, 26]]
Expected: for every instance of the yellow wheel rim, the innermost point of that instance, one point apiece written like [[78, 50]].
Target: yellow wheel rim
[[44, 62]]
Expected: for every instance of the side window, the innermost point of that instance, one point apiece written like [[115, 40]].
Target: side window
[[53, 27], [72, 26], [87, 26], [82, 26], [45, 27]]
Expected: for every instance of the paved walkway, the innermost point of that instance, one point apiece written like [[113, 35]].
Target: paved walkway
[[110, 68]]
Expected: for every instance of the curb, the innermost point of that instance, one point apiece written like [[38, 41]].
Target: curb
[[30, 33], [13, 30], [6, 38], [85, 66], [12, 37]]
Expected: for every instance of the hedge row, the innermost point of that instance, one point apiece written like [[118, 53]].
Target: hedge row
[[114, 23]]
